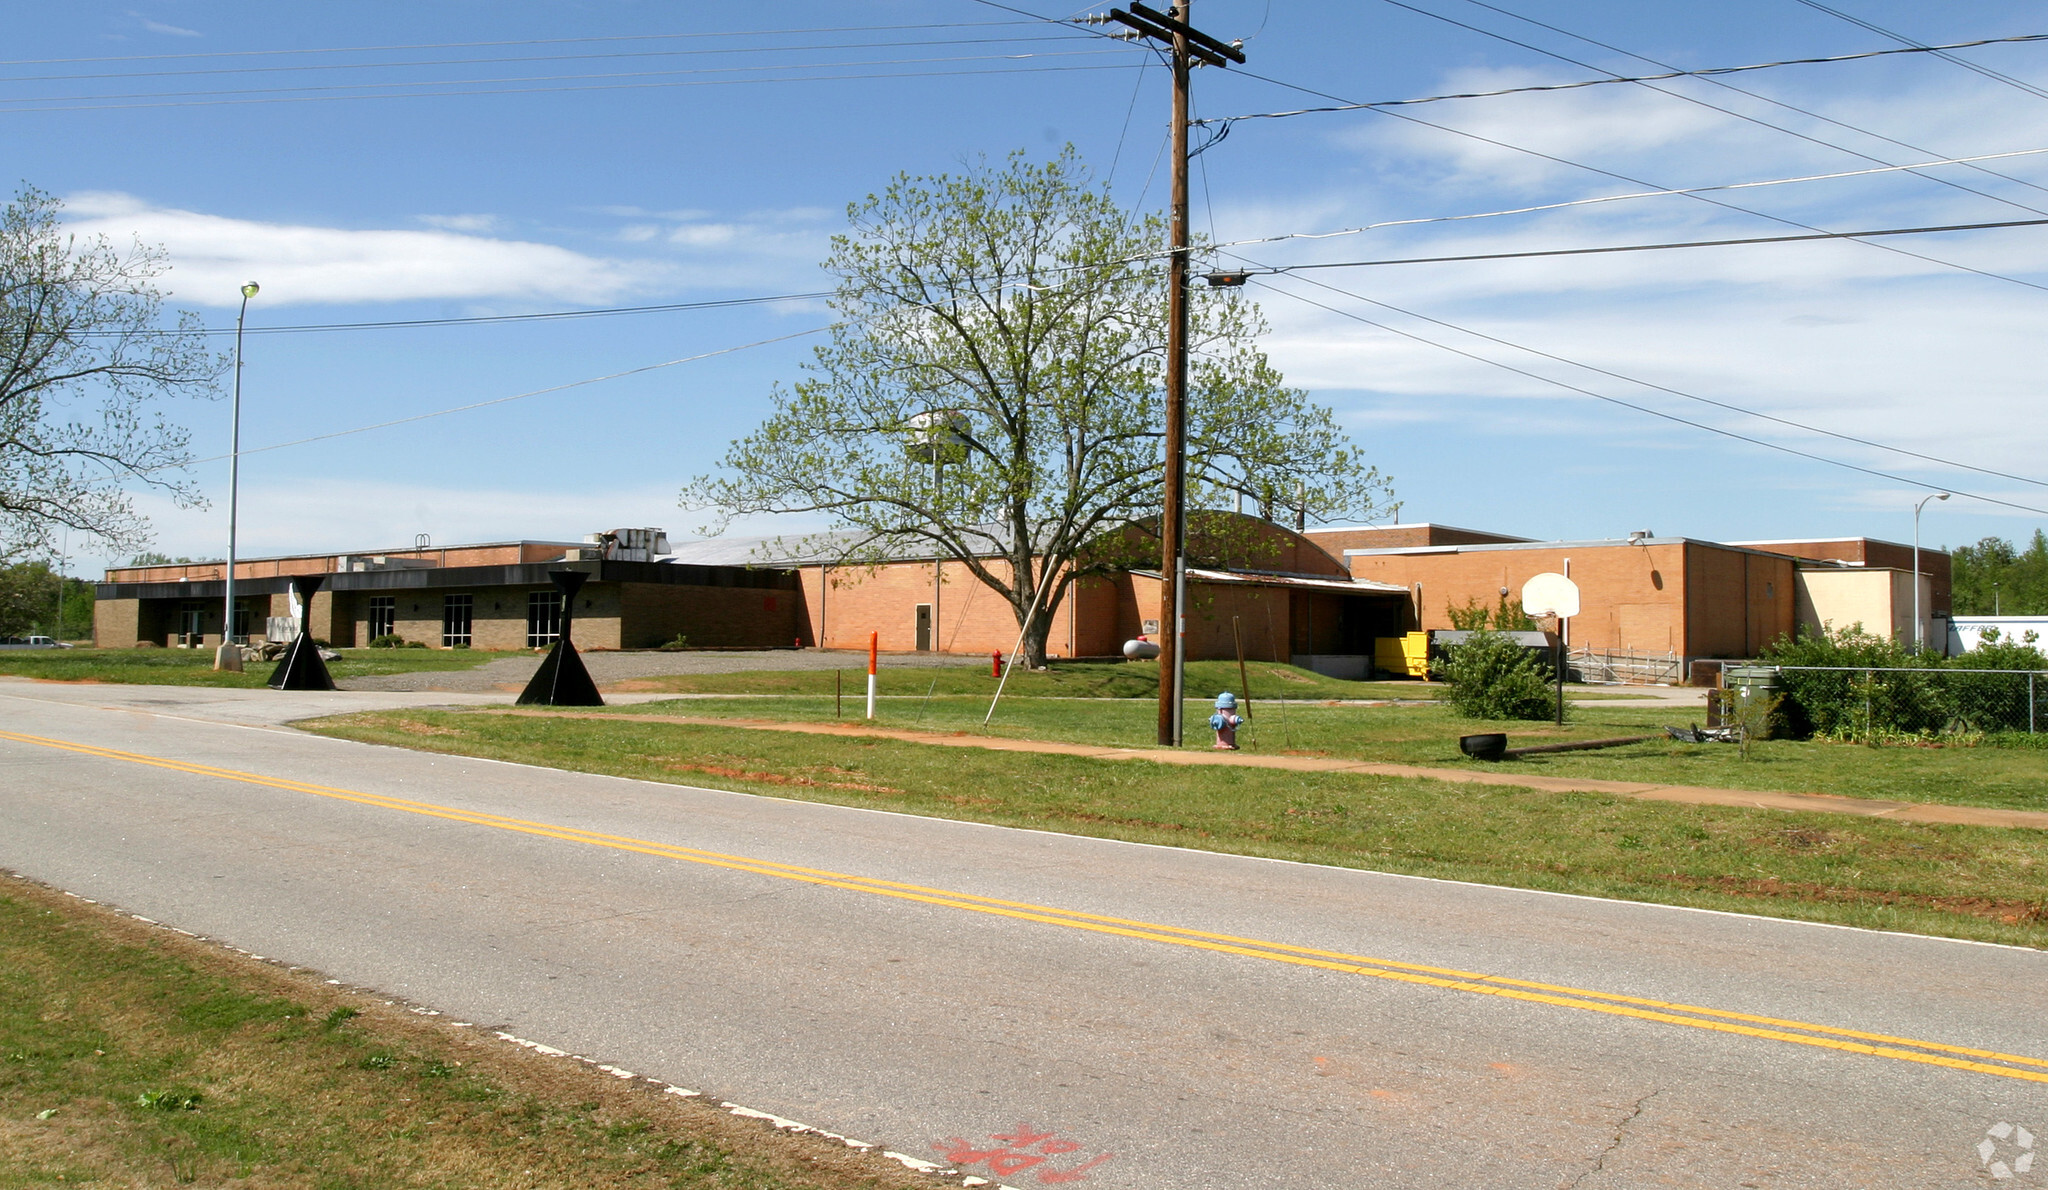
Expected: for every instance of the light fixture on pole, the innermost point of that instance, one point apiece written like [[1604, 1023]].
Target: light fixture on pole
[[1918, 644], [229, 655]]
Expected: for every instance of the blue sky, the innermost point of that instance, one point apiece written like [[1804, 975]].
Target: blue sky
[[603, 154]]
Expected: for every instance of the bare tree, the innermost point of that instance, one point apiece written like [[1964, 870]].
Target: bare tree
[[84, 363]]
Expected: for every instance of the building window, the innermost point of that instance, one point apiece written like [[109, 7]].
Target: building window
[[456, 617], [543, 618], [383, 615]]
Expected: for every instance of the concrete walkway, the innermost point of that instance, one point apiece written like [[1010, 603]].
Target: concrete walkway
[[1698, 795]]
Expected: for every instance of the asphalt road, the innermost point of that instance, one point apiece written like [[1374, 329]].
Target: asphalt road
[[1201, 1020]]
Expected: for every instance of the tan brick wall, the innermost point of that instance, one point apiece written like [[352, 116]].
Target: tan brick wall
[[1694, 599], [714, 617], [1937, 565], [117, 623]]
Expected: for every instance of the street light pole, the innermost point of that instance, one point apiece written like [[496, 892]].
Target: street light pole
[[229, 655], [1918, 643]]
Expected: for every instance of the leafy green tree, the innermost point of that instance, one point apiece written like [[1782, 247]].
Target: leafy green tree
[[29, 592], [84, 363], [993, 388], [1994, 576]]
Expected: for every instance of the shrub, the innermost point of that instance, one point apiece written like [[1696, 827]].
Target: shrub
[[1492, 677], [677, 645], [1919, 698], [390, 640]]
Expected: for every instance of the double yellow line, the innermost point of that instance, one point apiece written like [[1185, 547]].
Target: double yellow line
[[1880, 1045]]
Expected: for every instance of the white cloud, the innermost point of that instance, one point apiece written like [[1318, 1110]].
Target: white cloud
[[212, 255], [468, 224], [160, 27]]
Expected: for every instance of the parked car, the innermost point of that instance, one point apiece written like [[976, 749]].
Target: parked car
[[32, 642]]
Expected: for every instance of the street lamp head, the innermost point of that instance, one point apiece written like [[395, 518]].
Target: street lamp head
[[250, 290], [1942, 496]]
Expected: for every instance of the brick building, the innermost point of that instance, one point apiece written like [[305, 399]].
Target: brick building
[[1682, 597], [1280, 593], [489, 596], [1324, 599]]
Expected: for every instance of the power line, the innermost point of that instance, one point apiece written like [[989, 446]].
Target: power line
[[1608, 173], [1600, 82], [314, 67], [814, 78], [1694, 100], [485, 319], [384, 425], [1726, 86], [1824, 235], [1606, 198], [1626, 379], [550, 78], [1937, 51], [1658, 413], [464, 45]]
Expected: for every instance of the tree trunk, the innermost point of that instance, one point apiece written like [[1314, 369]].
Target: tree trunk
[[1035, 634]]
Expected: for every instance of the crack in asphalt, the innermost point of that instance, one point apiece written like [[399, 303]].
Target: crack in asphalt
[[1620, 1134]]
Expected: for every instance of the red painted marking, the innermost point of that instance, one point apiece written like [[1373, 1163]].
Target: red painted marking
[[1011, 1158], [1053, 1176]]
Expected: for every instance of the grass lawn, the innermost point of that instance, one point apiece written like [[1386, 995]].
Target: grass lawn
[[1065, 679], [130, 1056], [194, 667], [1970, 882], [2007, 778]]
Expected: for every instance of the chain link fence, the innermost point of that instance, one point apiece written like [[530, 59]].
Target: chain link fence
[[1844, 700]]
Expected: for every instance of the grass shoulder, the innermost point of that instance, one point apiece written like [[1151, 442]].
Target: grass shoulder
[[132, 1056], [194, 667], [1970, 882], [1427, 734]]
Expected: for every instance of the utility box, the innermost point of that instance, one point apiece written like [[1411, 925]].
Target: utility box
[[1744, 686]]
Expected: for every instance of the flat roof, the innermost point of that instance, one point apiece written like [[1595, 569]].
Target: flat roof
[[241, 559], [1607, 543], [1407, 525], [1925, 549]]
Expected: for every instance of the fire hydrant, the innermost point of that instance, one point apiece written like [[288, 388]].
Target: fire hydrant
[[995, 664]]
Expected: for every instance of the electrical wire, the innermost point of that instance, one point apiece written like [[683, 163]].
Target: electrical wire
[[385, 425], [1937, 51], [551, 78], [1695, 100], [316, 67], [1608, 173], [1652, 385], [814, 78], [1657, 413], [1601, 82], [1824, 235], [464, 45], [1727, 86], [486, 319], [1606, 198]]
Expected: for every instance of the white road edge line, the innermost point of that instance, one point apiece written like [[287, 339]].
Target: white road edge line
[[781, 1123]]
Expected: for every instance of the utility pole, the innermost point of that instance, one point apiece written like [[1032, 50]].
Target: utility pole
[[1189, 46]]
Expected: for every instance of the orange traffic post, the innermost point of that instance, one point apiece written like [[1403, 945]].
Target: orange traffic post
[[874, 644]]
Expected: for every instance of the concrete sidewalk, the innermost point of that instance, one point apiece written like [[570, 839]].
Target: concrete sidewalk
[[1698, 795]]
